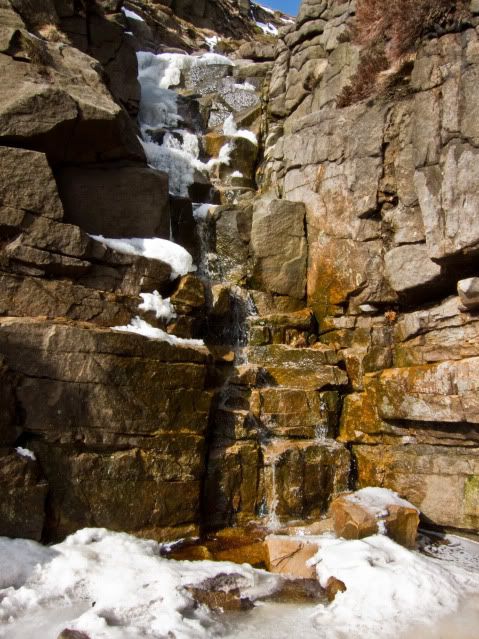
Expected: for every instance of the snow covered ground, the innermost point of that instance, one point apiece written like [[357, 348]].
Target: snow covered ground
[[114, 586]]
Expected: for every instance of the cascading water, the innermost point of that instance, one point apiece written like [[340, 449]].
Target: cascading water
[[169, 146]]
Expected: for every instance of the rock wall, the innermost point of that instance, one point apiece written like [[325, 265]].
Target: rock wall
[[115, 423], [390, 191], [339, 351]]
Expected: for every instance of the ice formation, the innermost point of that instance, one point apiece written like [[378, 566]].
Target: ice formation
[[168, 147], [131, 14], [230, 129]]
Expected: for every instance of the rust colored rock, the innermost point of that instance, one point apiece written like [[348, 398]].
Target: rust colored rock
[[298, 590], [72, 634], [289, 556], [190, 293], [333, 587], [221, 592], [352, 521], [442, 480], [359, 515]]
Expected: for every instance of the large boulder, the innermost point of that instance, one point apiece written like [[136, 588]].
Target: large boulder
[[375, 510], [441, 480], [53, 99], [468, 291], [409, 267], [118, 424], [279, 248], [290, 555], [116, 201], [26, 184]]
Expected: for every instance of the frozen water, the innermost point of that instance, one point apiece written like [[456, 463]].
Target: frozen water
[[25, 452], [230, 129], [131, 14]]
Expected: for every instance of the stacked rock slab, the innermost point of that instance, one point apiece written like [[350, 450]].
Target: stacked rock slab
[[97, 428], [272, 454], [390, 189]]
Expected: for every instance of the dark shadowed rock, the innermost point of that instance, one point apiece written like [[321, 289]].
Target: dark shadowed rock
[[23, 491], [116, 201]]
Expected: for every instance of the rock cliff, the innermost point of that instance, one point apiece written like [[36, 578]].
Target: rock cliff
[[336, 235]]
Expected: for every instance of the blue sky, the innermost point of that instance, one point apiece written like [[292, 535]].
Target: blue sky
[[288, 6]]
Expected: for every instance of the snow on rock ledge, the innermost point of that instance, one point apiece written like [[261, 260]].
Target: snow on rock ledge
[[375, 510], [153, 248]]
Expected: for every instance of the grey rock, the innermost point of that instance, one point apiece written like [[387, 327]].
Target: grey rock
[[409, 267], [469, 292], [279, 248]]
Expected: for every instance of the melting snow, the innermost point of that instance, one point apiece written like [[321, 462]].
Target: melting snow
[[153, 248]]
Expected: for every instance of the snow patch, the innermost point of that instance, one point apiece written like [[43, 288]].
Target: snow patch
[[268, 28], [200, 211], [388, 587], [115, 586], [230, 129], [153, 248], [25, 452], [131, 14], [212, 41], [154, 302], [128, 589], [140, 327], [376, 500]]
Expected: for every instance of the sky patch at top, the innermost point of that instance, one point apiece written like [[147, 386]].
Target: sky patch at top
[[291, 7]]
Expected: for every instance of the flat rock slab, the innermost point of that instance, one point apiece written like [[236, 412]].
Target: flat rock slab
[[289, 556]]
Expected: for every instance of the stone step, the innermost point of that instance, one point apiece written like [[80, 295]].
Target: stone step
[[284, 356], [295, 329]]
